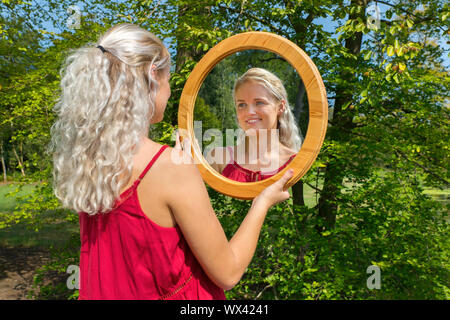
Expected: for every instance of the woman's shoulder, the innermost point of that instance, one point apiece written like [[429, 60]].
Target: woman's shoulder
[[169, 159], [288, 152], [219, 157], [173, 167]]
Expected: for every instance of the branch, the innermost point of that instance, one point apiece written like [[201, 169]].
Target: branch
[[261, 292], [251, 16], [312, 187], [395, 6], [419, 19], [272, 58], [403, 155]]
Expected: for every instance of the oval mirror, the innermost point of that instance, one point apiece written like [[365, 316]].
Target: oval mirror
[[253, 107]]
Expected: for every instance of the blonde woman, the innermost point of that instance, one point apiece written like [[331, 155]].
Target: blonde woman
[[147, 227], [271, 138]]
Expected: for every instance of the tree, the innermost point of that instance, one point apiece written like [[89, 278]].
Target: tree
[[386, 142]]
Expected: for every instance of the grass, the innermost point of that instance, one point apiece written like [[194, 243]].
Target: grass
[[8, 204], [51, 235], [56, 233]]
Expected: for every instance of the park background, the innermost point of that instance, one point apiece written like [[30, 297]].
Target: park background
[[376, 195]]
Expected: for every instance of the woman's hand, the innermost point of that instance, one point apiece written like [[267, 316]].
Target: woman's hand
[[274, 193], [184, 146], [181, 152]]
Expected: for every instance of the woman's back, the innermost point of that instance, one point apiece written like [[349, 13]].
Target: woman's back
[[162, 239], [125, 254]]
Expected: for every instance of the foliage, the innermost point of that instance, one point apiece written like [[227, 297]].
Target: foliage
[[295, 261]]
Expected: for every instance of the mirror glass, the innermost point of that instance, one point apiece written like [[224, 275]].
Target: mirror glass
[[251, 115]]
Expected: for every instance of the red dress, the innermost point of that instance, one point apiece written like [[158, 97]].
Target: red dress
[[235, 172], [125, 255]]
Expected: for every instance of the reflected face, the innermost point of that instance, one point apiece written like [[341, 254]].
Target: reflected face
[[256, 108]]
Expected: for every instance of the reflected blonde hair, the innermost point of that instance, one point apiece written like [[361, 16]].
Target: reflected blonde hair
[[107, 101], [289, 132]]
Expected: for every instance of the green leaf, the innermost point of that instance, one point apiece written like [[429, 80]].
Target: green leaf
[[392, 30], [360, 27], [390, 51], [367, 55], [345, 106], [395, 77], [388, 77], [388, 14], [364, 93], [388, 67]]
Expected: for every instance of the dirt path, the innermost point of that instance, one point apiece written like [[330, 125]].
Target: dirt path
[[17, 266]]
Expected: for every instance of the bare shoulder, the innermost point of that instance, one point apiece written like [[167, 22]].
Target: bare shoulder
[[175, 163], [166, 180], [287, 151], [171, 165], [286, 154], [180, 182], [174, 175]]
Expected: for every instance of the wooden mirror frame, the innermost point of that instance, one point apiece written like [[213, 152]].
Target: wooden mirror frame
[[317, 100]]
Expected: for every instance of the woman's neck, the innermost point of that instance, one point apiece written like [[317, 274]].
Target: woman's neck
[[261, 151], [263, 143]]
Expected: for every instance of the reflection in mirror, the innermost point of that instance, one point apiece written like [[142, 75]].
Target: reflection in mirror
[[251, 115]]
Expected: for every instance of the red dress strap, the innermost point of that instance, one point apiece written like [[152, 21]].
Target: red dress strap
[[150, 164], [231, 153]]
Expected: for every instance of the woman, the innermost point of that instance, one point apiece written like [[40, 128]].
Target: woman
[[147, 227], [272, 137]]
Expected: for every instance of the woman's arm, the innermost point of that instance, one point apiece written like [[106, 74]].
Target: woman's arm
[[223, 261]]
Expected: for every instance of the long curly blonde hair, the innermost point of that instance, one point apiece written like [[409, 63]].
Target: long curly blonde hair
[[289, 132], [106, 104]]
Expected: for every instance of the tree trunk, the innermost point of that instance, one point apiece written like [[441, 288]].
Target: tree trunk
[[21, 151], [194, 15], [342, 119], [187, 48], [183, 53], [299, 112], [18, 160], [3, 164]]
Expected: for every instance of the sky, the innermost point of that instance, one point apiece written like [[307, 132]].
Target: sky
[[328, 24]]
